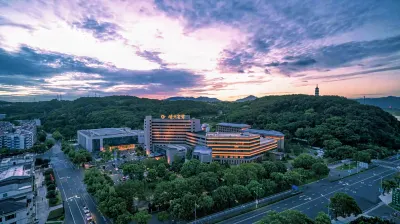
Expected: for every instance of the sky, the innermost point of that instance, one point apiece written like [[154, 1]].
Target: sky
[[226, 49]]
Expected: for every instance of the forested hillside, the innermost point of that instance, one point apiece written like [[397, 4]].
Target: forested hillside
[[338, 124]]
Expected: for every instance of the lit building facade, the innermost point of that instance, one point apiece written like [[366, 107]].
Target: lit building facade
[[236, 148], [95, 140], [231, 127], [168, 130]]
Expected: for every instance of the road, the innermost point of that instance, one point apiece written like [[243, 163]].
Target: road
[[363, 187], [70, 183]]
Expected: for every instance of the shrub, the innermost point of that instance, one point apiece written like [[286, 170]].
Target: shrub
[[53, 201], [48, 172], [51, 187], [51, 194]]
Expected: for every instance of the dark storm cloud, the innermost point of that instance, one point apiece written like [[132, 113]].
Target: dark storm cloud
[[29, 66], [101, 30], [235, 61]]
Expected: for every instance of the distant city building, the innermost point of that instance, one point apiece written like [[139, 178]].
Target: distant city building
[[16, 195], [6, 126], [168, 129], [231, 127], [316, 91], [19, 137], [2, 116], [95, 140], [202, 153]]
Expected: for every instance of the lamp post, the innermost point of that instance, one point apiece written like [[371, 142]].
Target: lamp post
[[329, 202]]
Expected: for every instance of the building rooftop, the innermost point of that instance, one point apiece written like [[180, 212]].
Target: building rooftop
[[267, 140], [8, 206], [16, 171], [228, 134], [109, 132], [265, 132], [202, 150], [233, 125]]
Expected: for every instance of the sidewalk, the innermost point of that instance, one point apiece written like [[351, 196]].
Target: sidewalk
[[42, 206]]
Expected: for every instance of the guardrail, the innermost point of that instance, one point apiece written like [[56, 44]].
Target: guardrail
[[240, 208]]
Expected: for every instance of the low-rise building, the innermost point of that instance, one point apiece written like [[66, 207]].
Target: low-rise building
[[202, 153], [16, 195], [95, 140]]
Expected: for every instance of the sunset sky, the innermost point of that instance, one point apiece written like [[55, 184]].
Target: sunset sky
[[226, 49]]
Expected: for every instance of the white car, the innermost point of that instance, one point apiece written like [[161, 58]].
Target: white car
[[86, 210]]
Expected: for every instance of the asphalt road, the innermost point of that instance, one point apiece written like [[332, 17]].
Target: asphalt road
[[70, 183], [363, 187]]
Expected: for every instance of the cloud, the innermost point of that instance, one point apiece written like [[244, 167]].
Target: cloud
[[152, 56], [104, 31], [53, 71], [6, 22]]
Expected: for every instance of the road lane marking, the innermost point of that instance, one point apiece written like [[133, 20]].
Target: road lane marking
[[65, 196], [262, 213]]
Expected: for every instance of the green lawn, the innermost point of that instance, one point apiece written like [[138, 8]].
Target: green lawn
[[56, 215], [347, 166]]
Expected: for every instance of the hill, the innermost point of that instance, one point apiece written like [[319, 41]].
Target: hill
[[382, 102], [340, 125], [247, 98], [200, 98]]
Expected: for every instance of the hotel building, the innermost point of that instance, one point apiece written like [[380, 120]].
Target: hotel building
[[278, 136], [231, 127], [168, 130], [236, 148], [95, 140]]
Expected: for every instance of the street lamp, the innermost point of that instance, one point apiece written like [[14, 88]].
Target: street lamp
[[329, 202]]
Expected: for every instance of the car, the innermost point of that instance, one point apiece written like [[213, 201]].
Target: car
[[86, 210]]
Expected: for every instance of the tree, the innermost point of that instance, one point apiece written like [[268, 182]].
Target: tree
[[151, 175], [113, 206], [124, 218], [208, 180], [320, 169], [344, 205], [163, 216], [161, 170], [205, 203], [49, 143], [286, 217], [106, 154], [304, 161], [370, 220], [190, 168], [388, 185], [57, 136], [183, 208], [135, 171], [42, 136], [269, 186], [256, 189], [322, 218], [142, 217], [230, 179], [241, 193], [223, 197], [362, 156]]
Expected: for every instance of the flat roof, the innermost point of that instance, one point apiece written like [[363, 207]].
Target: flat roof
[[234, 125], [229, 134], [109, 132], [202, 150], [265, 132], [15, 171]]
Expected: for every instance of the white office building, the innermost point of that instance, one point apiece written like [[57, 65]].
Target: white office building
[[95, 140]]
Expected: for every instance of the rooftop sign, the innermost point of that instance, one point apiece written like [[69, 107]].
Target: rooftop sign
[[173, 116]]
